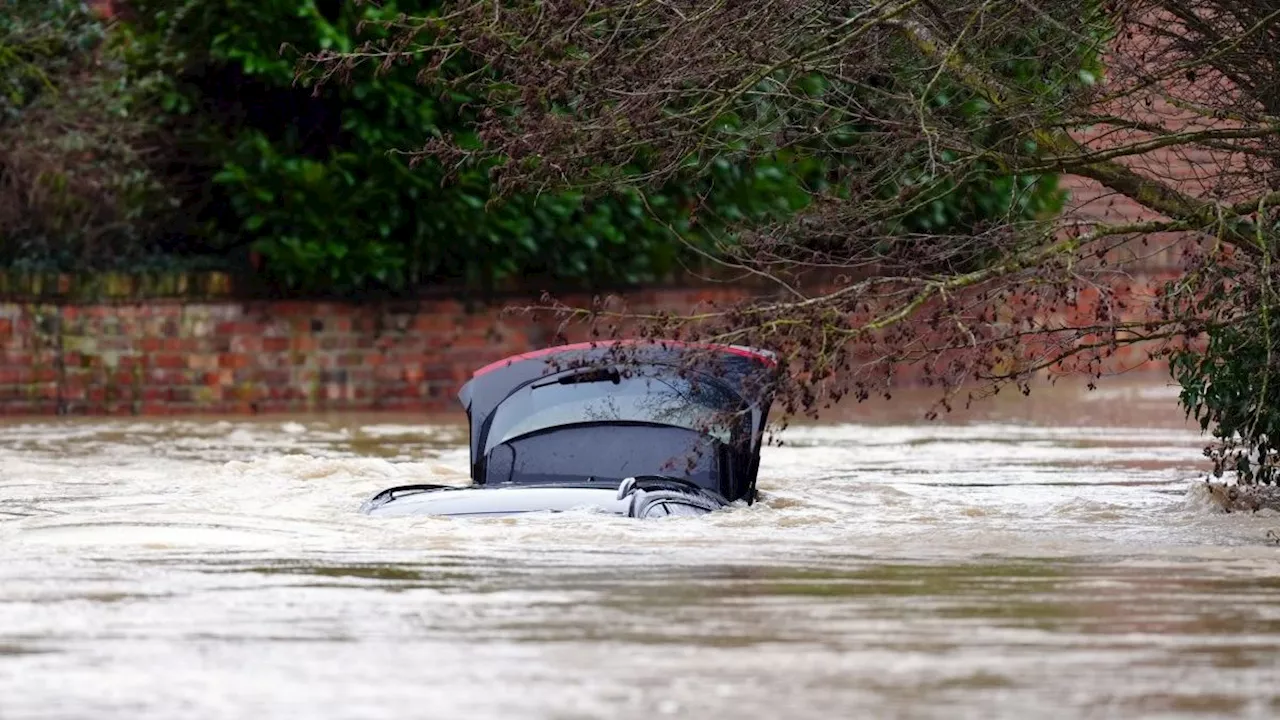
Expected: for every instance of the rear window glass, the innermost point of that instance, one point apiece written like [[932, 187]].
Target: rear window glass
[[701, 404]]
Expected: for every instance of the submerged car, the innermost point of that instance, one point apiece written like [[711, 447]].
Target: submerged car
[[634, 428]]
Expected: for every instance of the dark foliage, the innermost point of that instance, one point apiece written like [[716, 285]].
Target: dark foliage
[[82, 177]]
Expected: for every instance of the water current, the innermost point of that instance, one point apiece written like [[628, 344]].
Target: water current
[[1054, 557]]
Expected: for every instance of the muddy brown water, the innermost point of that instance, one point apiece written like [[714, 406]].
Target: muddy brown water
[[1054, 557]]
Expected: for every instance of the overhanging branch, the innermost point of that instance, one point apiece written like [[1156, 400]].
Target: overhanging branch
[[1072, 156]]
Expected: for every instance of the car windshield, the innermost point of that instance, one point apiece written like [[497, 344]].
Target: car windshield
[[700, 404]]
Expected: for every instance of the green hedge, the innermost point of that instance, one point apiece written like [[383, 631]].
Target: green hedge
[[310, 179]]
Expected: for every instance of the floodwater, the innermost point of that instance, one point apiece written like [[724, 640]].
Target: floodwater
[[1054, 557]]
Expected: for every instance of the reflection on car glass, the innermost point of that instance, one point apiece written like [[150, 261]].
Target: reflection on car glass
[[703, 406]]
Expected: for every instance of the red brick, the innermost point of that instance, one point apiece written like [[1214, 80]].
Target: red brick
[[473, 341], [275, 344], [274, 378], [437, 372], [169, 362], [434, 323], [15, 375], [349, 360], [292, 308]]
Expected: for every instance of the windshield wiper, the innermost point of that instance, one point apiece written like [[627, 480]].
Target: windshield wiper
[[392, 493], [587, 376]]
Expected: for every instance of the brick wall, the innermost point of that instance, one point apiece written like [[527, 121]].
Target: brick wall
[[223, 356]]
